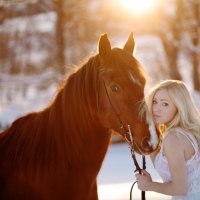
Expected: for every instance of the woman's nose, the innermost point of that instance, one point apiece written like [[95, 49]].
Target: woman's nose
[[156, 108]]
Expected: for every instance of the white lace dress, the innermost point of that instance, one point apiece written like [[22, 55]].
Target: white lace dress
[[193, 169]]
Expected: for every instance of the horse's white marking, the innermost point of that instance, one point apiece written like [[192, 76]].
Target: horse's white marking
[[154, 137], [136, 81], [105, 70]]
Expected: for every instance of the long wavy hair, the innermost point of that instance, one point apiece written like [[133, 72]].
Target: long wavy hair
[[187, 116]]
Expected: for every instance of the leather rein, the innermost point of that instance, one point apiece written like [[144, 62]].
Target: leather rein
[[129, 138]]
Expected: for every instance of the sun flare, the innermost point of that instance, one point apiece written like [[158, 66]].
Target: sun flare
[[138, 6]]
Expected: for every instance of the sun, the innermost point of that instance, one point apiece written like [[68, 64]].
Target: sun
[[138, 6]]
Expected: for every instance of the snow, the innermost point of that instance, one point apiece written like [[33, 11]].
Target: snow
[[117, 176], [42, 23], [20, 103]]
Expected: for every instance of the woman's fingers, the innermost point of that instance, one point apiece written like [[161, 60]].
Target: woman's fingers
[[144, 172], [138, 176]]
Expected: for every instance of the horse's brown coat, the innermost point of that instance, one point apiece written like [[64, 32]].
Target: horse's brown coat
[[56, 154]]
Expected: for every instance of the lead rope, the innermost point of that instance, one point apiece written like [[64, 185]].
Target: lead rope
[[142, 192], [130, 142]]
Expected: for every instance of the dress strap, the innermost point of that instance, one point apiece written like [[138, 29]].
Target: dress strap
[[190, 137]]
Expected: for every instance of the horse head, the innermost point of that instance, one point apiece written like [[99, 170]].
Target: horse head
[[121, 93]]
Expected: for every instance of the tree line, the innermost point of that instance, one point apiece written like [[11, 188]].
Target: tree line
[[43, 35]]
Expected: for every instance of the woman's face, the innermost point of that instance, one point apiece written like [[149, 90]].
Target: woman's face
[[163, 109]]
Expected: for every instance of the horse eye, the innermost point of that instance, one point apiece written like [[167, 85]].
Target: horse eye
[[115, 88]]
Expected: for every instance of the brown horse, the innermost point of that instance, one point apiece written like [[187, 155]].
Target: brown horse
[[56, 154]]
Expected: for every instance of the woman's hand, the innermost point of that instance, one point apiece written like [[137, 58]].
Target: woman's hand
[[144, 181]]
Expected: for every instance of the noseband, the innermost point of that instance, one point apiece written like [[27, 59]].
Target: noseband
[[129, 138]]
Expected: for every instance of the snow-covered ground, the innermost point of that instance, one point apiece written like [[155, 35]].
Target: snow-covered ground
[[117, 176]]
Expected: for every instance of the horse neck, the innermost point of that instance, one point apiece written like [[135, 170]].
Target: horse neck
[[81, 135]]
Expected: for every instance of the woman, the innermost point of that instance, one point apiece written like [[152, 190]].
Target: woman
[[171, 108]]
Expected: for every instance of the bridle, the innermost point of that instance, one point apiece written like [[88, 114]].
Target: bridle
[[129, 138]]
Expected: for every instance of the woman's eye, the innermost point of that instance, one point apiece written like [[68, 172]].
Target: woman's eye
[[115, 88], [154, 102], [165, 104]]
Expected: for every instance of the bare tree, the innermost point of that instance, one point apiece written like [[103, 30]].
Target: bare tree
[[193, 47], [60, 36], [170, 35]]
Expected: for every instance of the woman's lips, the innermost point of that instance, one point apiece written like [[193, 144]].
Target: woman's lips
[[156, 116]]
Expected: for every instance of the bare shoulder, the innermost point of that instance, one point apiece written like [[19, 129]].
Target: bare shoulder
[[172, 142]]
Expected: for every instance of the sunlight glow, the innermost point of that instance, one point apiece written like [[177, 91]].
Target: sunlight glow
[[138, 6]]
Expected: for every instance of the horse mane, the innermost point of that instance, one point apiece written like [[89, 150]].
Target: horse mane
[[54, 134]]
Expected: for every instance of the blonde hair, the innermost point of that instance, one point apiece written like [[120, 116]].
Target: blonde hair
[[187, 116]]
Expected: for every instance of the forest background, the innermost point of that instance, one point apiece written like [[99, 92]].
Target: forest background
[[41, 40]]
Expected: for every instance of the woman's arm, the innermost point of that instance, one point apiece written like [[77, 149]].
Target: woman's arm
[[174, 153]]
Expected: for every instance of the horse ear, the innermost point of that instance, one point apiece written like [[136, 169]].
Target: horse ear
[[130, 44], [104, 46]]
